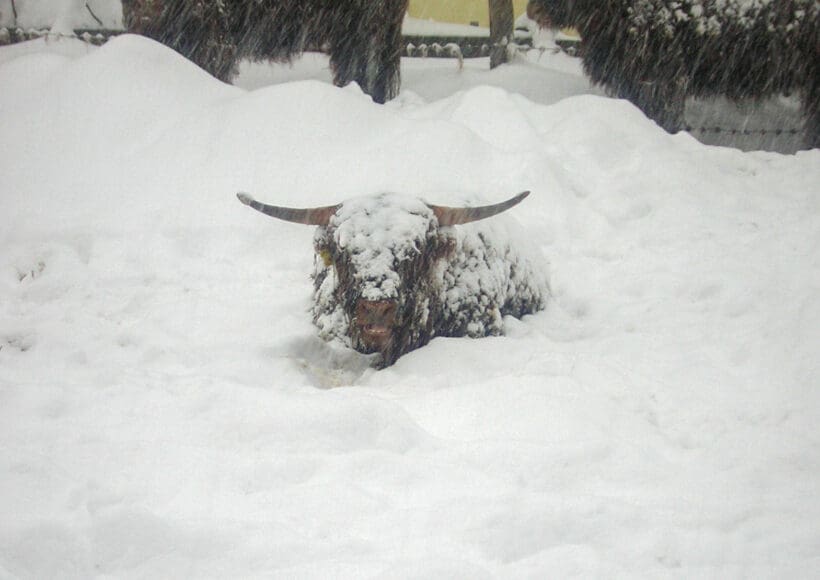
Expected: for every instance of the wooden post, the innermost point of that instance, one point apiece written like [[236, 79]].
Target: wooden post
[[501, 30]]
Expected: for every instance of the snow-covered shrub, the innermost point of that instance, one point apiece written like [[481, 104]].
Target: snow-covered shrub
[[391, 274], [658, 52], [363, 37]]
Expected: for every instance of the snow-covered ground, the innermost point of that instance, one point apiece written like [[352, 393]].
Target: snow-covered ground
[[167, 411], [62, 16]]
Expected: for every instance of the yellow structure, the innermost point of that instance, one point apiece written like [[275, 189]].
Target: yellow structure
[[476, 12]]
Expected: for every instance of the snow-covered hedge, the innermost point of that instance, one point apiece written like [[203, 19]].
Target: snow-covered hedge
[[657, 52], [362, 38]]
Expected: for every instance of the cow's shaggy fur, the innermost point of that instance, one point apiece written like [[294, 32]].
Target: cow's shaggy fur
[[446, 281], [363, 37]]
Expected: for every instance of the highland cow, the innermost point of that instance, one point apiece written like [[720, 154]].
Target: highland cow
[[391, 272], [363, 37]]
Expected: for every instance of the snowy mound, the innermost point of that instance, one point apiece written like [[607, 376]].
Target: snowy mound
[[164, 400]]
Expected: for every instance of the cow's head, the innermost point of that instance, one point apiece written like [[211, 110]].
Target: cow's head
[[383, 251]]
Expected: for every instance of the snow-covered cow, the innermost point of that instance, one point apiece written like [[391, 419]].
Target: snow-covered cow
[[391, 272]]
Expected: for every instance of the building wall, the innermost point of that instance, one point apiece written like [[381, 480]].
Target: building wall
[[459, 11]]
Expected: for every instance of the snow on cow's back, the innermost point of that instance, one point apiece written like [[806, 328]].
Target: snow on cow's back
[[494, 272]]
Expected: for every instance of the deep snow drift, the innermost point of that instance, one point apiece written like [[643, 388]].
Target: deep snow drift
[[166, 407]]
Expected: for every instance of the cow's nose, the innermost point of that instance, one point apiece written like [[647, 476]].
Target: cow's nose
[[377, 310]]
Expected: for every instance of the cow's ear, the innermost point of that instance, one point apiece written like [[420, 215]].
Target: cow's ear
[[321, 245], [445, 246], [325, 255]]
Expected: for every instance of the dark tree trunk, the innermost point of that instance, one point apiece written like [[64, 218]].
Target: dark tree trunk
[[810, 45], [369, 54], [387, 82], [811, 111], [501, 30]]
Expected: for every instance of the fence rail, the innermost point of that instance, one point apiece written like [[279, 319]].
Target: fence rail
[[415, 45], [750, 132], [96, 36]]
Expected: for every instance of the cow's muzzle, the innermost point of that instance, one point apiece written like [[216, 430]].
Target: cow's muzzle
[[374, 322]]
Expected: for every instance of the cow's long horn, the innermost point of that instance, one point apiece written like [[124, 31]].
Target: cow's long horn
[[453, 216], [314, 216]]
